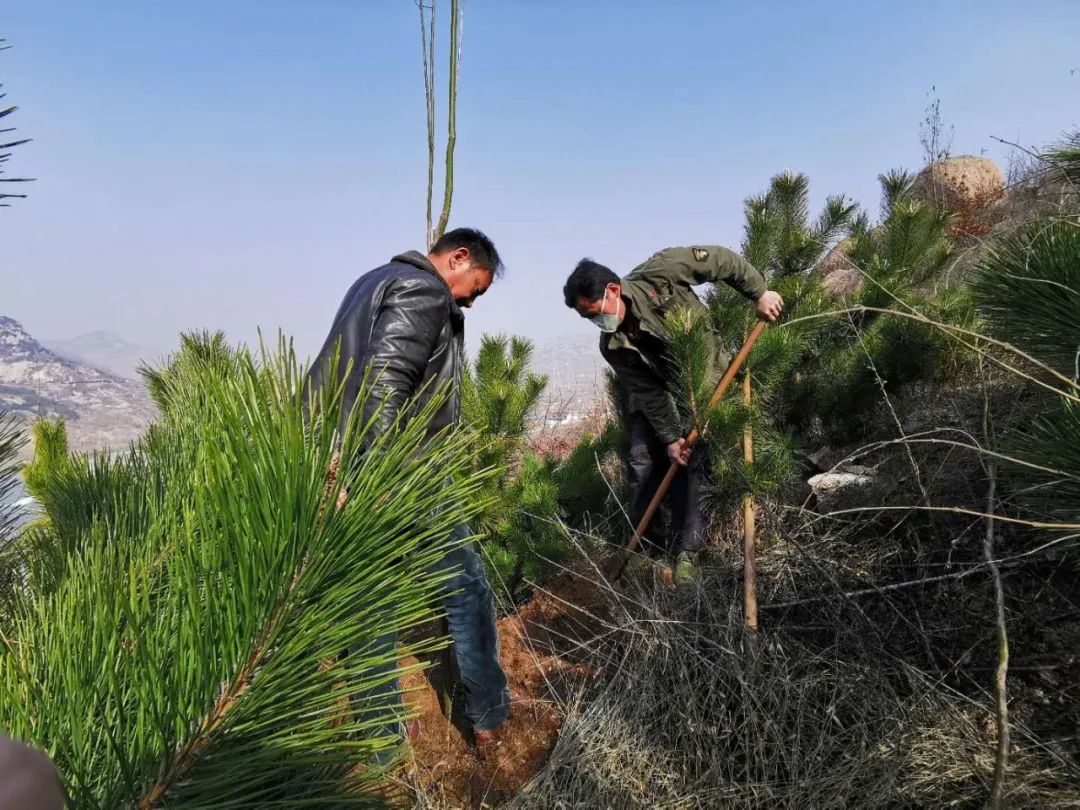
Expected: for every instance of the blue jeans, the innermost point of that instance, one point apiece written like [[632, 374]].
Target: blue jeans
[[470, 611]]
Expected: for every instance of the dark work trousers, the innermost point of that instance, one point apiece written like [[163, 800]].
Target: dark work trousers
[[649, 464], [470, 611]]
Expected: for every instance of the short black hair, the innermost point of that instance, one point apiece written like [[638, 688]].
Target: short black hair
[[588, 281], [480, 247]]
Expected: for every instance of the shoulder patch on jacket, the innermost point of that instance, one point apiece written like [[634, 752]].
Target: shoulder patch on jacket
[[700, 254]]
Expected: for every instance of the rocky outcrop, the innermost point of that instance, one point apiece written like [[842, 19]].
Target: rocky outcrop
[[967, 186], [102, 410], [838, 275]]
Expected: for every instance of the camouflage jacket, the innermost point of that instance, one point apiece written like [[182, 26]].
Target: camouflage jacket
[[638, 350]]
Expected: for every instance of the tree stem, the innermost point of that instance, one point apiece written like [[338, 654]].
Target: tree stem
[[451, 123], [1001, 696], [427, 50], [750, 607]]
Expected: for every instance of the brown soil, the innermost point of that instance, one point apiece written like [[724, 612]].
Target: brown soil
[[537, 651]]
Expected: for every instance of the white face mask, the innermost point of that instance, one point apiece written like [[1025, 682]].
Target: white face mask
[[607, 323]]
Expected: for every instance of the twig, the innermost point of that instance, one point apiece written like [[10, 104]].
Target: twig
[[1001, 698], [958, 510], [878, 589], [892, 411], [750, 605], [1071, 391]]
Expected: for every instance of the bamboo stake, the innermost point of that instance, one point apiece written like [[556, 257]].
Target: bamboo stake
[[451, 119], [749, 553], [691, 440]]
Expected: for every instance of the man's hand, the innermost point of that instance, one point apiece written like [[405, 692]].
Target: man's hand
[[769, 306], [678, 452]]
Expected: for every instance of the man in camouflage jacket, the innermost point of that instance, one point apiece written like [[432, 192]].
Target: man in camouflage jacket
[[630, 312]]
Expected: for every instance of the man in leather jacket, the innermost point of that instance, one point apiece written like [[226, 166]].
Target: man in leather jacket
[[630, 312], [404, 321]]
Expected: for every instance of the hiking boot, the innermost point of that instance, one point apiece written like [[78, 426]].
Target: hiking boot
[[639, 564], [686, 567]]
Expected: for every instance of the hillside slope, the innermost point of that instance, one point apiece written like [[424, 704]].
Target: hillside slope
[[102, 409]]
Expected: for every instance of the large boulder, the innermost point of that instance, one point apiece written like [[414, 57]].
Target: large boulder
[[968, 186], [838, 275], [835, 259], [843, 282]]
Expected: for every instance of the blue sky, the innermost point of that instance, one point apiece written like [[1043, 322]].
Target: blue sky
[[237, 164]]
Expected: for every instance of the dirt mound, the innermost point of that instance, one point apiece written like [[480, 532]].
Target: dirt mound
[[968, 186], [537, 650]]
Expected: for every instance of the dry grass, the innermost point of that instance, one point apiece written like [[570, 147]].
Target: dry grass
[[683, 716], [871, 686]]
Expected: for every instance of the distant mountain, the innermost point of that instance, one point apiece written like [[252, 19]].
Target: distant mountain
[[103, 410], [104, 350]]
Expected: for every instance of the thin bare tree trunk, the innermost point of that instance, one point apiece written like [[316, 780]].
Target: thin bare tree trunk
[[427, 50], [1001, 695], [451, 123], [750, 607], [427, 42]]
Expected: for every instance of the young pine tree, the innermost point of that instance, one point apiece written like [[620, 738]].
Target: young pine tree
[[784, 243], [903, 262], [520, 532], [207, 633], [1028, 293]]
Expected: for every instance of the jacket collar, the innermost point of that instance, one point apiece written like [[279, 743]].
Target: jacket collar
[[420, 261], [639, 303]]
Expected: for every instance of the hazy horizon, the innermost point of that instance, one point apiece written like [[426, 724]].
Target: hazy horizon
[[235, 167]]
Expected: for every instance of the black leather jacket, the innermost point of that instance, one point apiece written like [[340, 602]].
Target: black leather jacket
[[402, 322]]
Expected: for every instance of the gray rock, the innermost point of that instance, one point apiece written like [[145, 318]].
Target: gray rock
[[845, 490]]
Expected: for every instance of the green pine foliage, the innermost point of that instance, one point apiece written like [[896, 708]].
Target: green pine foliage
[[780, 240], [827, 365], [208, 351], [12, 440], [1028, 293], [520, 533], [784, 243], [213, 616], [850, 357], [689, 339], [1064, 158], [591, 479]]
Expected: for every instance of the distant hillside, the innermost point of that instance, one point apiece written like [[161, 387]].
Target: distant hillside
[[575, 373], [104, 350], [102, 409]]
